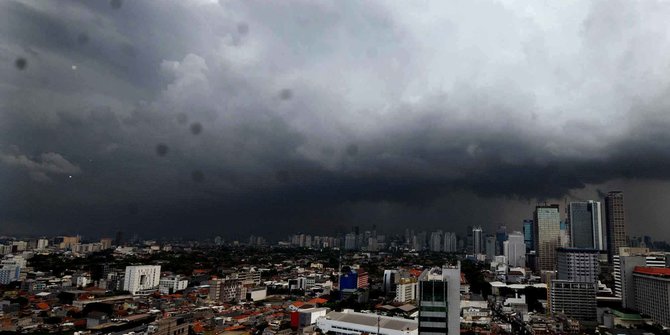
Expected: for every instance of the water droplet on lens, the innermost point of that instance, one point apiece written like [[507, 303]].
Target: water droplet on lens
[[196, 128], [162, 149], [242, 28], [21, 63], [285, 94]]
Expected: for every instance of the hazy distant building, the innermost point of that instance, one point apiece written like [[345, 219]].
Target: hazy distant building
[[350, 241], [514, 249], [142, 279], [450, 242], [501, 236], [490, 246], [584, 222], [436, 241], [614, 220], [477, 240], [439, 301], [546, 230]]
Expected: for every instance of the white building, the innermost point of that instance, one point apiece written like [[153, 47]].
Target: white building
[[172, 284], [624, 264], [652, 293], [9, 273], [142, 279], [42, 244], [353, 323], [439, 300], [406, 290], [515, 249]]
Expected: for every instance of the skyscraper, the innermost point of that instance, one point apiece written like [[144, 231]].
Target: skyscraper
[[490, 246], [439, 300], [528, 235], [477, 240], [546, 231], [515, 249], [450, 242], [614, 220], [501, 236], [584, 220]]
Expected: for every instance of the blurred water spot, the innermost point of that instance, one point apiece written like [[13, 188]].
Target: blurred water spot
[[285, 94], [352, 150], [282, 176], [196, 128], [82, 39], [21, 63], [242, 28], [182, 118], [116, 4], [197, 176], [162, 149]]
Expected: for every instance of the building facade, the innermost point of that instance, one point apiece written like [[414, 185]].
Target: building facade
[[142, 279], [615, 222], [652, 293], [580, 265], [514, 249], [439, 301], [585, 226], [575, 300], [546, 230]]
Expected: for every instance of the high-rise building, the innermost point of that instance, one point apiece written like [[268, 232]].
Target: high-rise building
[[439, 300], [528, 235], [575, 300], [501, 236], [652, 293], [624, 265], [515, 249], [390, 281], [436, 241], [450, 242], [350, 241], [578, 265], [477, 240], [615, 222], [585, 226], [142, 279], [546, 230], [490, 246]]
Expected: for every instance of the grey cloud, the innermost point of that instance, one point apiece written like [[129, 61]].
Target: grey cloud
[[40, 168], [330, 112]]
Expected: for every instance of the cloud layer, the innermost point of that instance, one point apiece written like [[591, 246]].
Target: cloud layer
[[242, 116]]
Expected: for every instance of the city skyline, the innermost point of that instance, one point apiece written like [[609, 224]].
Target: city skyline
[[216, 117]]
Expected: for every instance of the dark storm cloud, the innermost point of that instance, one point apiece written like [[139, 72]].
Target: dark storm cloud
[[241, 116]]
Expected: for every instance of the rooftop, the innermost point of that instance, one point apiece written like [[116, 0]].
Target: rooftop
[[660, 272], [385, 322]]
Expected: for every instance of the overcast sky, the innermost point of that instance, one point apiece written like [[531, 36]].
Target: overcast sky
[[203, 118]]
